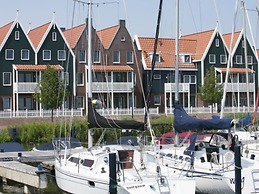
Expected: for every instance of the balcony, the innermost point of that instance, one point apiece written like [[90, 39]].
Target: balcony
[[183, 87], [240, 87], [125, 87], [24, 87]]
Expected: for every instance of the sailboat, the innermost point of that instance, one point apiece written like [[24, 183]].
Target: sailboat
[[115, 168]]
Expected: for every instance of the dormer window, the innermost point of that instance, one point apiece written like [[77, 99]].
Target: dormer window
[[123, 39], [17, 35], [157, 59], [187, 59]]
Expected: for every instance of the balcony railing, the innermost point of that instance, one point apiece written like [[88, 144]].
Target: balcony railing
[[240, 87], [24, 87], [183, 87], [109, 87]]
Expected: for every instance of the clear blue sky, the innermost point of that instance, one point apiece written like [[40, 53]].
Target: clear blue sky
[[140, 15]]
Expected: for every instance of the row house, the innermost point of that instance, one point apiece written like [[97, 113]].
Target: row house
[[113, 77], [23, 58], [197, 53]]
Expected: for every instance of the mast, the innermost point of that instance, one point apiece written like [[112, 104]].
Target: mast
[[176, 140], [245, 52], [89, 61]]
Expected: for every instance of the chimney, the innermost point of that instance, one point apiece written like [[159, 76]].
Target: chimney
[[122, 23]]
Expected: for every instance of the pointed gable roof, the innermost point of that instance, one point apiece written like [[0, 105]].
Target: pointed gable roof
[[227, 38], [4, 31], [72, 35], [36, 34], [166, 48], [107, 35], [202, 39]]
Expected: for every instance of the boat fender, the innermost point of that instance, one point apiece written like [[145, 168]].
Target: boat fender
[[228, 156]]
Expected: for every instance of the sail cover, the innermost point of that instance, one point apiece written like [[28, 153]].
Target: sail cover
[[183, 122], [95, 120]]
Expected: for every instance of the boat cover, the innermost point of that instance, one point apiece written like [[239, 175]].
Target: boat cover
[[183, 122]]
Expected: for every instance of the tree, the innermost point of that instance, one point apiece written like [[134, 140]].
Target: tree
[[50, 90], [211, 92]]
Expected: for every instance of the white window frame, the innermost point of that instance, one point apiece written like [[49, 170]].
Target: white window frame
[[221, 59], [17, 35], [188, 79], [95, 52], [6, 53], [217, 42], [59, 54], [7, 100], [131, 61], [79, 57], [10, 79], [54, 36], [157, 59], [43, 55], [113, 57], [240, 59], [158, 98], [82, 77], [123, 39], [65, 76], [25, 50], [212, 58], [249, 59], [187, 59], [157, 76]]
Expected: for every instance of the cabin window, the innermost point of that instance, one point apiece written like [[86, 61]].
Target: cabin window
[[25, 54], [223, 59], [157, 100], [54, 36], [157, 76], [82, 56], [74, 160], [239, 59], [80, 79], [17, 35], [91, 183], [212, 58], [249, 59], [217, 42], [129, 57], [7, 79], [116, 56], [9, 54], [61, 55], [87, 163], [79, 102], [96, 56], [46, 55]]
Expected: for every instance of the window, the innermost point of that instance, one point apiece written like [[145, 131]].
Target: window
[[7, 103], [82, 57], [65, 77], [239, 59], [157, 76], [80, 79], [6, 78], [25, 54], [96, 56], [54, 36], [187, 59], [157, 100], [123, 39], [116, 56], [79, 102], [157, 59], [61, 55], [9, 54], [129, 57], [46, 55], [16, 35], [191, 79], [249, 59], [217, 42], [223, 59], [212, 58]]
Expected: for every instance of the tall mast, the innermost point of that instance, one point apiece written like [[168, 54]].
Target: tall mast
[[89, 61]]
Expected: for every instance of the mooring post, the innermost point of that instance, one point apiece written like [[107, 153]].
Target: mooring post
[[112, 174], [237, 169]]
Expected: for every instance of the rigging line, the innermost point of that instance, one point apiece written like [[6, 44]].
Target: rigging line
[[190, 8], [147, 102], [250, 27]]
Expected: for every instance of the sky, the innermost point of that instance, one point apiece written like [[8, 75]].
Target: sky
[[140, 15]]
